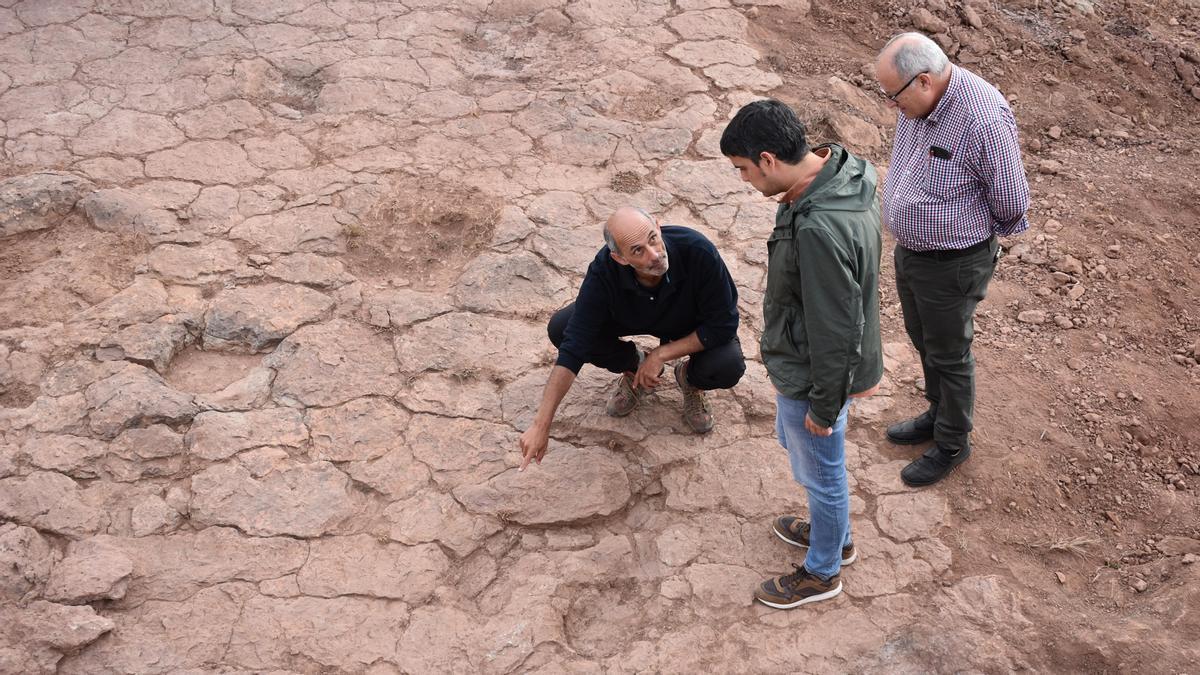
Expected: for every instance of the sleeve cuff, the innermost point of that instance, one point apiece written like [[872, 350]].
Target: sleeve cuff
[[569, 362]]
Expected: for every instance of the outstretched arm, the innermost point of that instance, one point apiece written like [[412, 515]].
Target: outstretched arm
[[537, 437]]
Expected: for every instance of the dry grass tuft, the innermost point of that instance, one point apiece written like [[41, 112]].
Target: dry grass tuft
[[1076, 546]]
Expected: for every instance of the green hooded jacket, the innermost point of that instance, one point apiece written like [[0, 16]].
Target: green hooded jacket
[[821, 339]]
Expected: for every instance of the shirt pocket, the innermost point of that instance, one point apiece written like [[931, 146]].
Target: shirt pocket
[[946, 178]]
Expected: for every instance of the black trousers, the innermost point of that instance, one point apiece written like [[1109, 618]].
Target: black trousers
[[938, 296], [715, 368]]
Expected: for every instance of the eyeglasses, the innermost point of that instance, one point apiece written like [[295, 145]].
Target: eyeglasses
[[893, 97]]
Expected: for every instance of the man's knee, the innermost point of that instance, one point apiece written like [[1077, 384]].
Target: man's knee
[[557, 326], [721, 368]]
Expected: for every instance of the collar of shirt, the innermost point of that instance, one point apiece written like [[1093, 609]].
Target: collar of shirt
[[800, 187], [947, 100]]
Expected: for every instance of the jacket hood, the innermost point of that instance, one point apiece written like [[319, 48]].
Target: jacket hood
[[845, 183]]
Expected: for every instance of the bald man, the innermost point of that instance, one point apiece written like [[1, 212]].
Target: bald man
[[666, 281], [956, 181]]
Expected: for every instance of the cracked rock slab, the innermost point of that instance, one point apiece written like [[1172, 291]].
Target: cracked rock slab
[[499, 346], [256, 318], [135, 396], [219, 435], [176, 565], [905, 517], [48, 501], [570, 484], [37, 636], [148, 344], [306, 500], [38, 201], [435, 517], [361, 565], [519, 284], [360, 430], [25, 562], [75, 456], [194, 264], [307, 229], [208, 162], [92, 570], [331, 363]]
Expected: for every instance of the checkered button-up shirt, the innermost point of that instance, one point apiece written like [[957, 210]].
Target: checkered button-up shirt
[[956, 176]]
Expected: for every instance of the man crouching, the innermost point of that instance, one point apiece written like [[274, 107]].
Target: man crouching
[[669, 282]]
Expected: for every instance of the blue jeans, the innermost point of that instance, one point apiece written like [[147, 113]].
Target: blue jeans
[[819, 464]]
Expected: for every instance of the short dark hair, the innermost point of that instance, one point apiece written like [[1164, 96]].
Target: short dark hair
[[765, 126]]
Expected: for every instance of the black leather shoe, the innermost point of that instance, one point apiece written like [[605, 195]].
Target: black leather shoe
[[932, 466], [910, 432]]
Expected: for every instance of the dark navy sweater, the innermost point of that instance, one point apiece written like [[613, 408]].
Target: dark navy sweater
[[697, 294]]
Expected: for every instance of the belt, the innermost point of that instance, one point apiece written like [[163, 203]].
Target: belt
[[953, 253]]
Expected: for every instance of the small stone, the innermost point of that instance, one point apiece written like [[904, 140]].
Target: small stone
[[1034, 317], [1140, 585], [1053, 225], [1069, 264], [1062, 578], [1075, 292], [378, 316], [924, 20], [972, 17], [1190, 558], [1063, 322], [1055, 132], [1113, 251], [1049, 167]]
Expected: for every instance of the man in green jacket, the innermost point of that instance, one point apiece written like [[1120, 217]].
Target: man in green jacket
[[820, 344]]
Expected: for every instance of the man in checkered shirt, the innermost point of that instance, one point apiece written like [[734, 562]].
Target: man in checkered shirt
[[955, 182]]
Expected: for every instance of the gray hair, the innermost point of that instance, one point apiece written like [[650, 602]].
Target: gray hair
[[608, 237], [917, 54], [609, 241]]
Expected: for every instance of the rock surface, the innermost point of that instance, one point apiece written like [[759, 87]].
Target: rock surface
[[274, 284]]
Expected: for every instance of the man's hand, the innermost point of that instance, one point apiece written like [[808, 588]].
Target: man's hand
[[648, 375], [816, 429], [533, 444]]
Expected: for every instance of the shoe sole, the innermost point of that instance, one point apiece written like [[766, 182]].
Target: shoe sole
[[812, 598], [845, 561]]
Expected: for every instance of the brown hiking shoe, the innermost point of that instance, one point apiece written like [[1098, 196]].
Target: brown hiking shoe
[[624, 397], [695, 409], [795, 589], [795, 532]]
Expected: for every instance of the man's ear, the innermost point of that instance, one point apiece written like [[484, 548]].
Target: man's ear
[[767, 160], [618, 258]]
